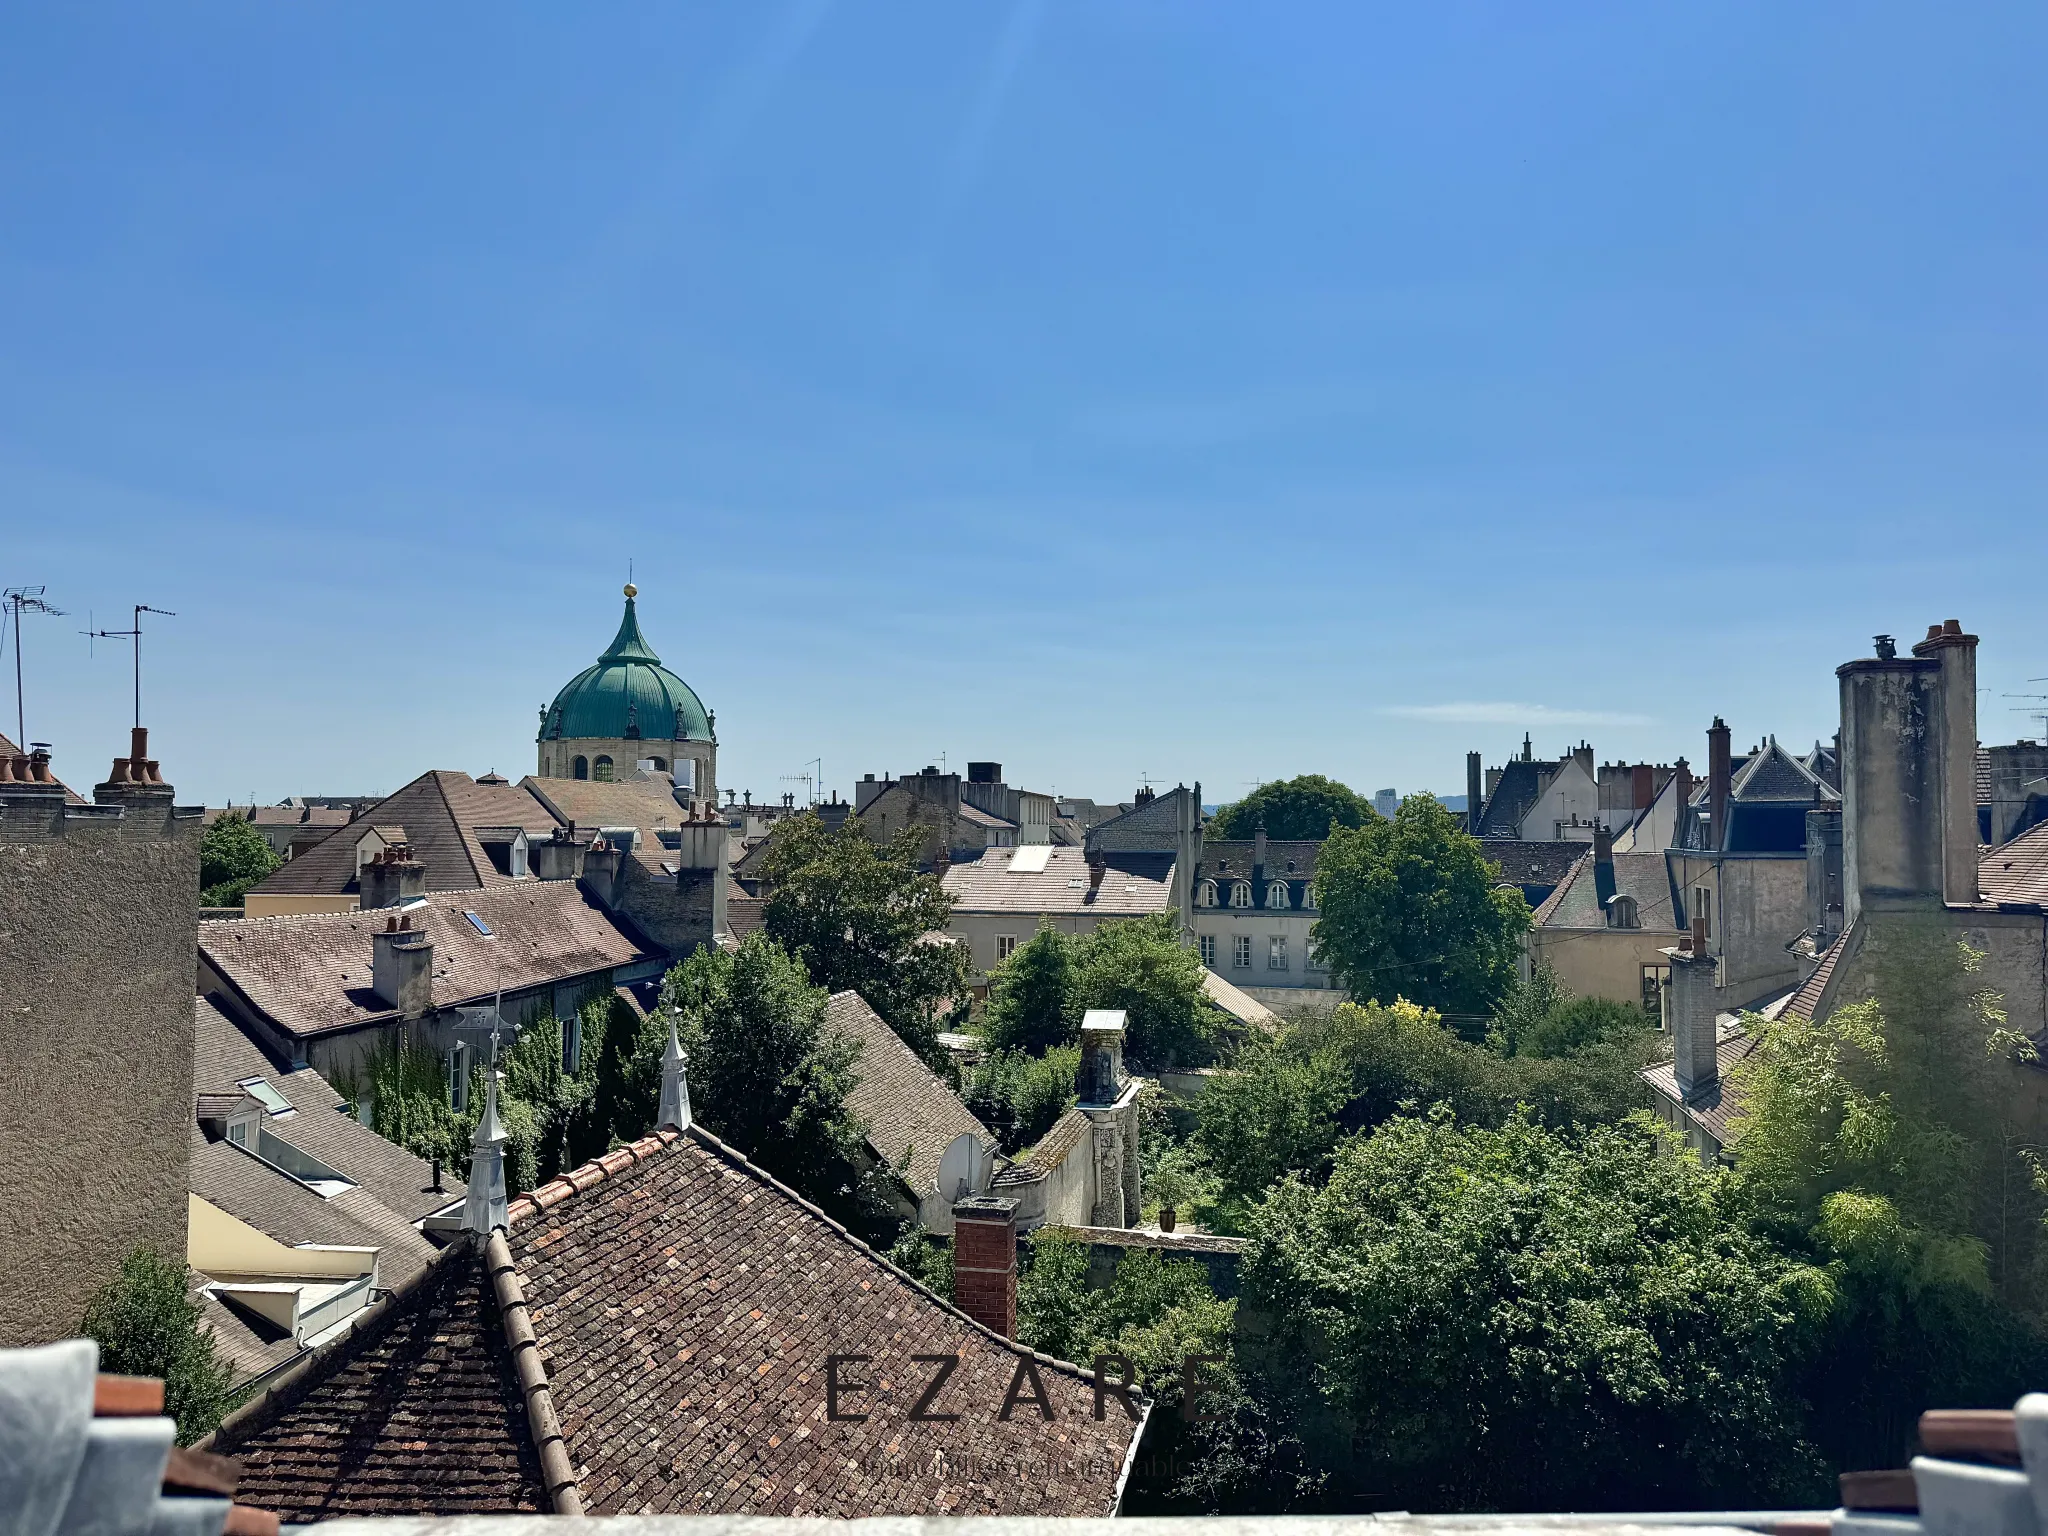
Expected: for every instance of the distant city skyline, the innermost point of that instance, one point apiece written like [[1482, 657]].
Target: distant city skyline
[[1116, 391]]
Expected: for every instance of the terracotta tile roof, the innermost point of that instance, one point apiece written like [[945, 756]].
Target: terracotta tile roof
[[644, 803], [415, 1412], [1807, 996], [71, 796], [1718, 1105], [1136, 884], [743, 913], [329, 816], [312, 973], [438, 813], [2016, 873], [905, 1106], [684, 1305]]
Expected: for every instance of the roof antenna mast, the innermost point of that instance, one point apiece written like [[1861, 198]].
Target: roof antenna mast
[[135, 635], [24, 600]]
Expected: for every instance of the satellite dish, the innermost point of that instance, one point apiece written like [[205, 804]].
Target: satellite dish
[[960, 1167]]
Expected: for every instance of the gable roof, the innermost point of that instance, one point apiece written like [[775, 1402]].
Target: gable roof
[[1153, 827], [648, 804], [1575, 903], [1775, 774], [904, 1105], [311, 973], [438, 813], [1135, 884], [1807, 996], [684, 1305], [1515, 794]]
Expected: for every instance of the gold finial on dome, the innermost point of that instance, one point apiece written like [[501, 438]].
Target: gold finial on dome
[[631, 590]]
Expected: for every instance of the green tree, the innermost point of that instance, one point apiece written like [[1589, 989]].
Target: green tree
[[861, 918], [1541, 1017], [1033, 1003], [232, 857], [1019, 1096], [147, 1323], [1141, 966], [1410, 909], [1470, 1318], [1305, 808]]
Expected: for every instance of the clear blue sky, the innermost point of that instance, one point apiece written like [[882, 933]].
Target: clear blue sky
[[1219, 391]]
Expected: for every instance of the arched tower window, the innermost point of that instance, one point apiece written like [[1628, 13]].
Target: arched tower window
[[601, 770], [1241, 894], [660, 765], [580, 769]]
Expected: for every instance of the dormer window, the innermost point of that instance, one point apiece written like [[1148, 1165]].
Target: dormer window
[[1241, 894], [1276, 895], [1621, 912], [1205, 894]]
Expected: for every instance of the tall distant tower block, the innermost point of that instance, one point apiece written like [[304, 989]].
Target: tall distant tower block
[[627, 709]]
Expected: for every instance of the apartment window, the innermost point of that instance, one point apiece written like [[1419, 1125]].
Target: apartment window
[[1241, 951], [1276, 954], [1006, 946], [1205, 894], [1208, 944], [1241, 894], [1655, 979], [1276, 895]]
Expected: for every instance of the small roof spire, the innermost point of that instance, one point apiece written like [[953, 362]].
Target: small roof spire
[[675, 1083], [483, 1212], [629, 644]]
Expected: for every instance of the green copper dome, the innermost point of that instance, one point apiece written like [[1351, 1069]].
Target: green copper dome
[[628, 694]]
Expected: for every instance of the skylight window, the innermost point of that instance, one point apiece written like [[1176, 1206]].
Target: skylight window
[[479, 924], [266, 1095], [1030, 859]]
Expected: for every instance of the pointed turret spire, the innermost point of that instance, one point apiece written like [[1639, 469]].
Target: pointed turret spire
[[675, 1085], [629, 644], [484, 1210]]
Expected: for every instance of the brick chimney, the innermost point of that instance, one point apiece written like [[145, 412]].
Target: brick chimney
[[134, 777], [1957, 747], [1642, 785], [985, 1261], [1718, 776], [402, 967], [1098, 866], [1475, 797], [392, 877]]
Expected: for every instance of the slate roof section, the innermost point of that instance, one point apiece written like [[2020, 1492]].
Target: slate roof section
[[311, 973], [1136, 884], [905, 1106], [439, 813], [1284, 861], [1575, 903], [2016, 873], [1775, 774], [415, 1412], [1150, 828], [1519, 788], [1532, 862]]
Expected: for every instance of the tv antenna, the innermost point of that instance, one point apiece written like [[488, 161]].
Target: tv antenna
[[133, 634], [24, 600], [813, 787], [2033, 711]]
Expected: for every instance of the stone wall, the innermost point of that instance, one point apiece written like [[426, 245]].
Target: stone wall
[[557, 759], [98, 928]]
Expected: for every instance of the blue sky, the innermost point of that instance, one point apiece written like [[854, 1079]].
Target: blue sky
[[1193, 390]]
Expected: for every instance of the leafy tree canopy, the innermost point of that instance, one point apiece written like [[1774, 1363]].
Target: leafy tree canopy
[[1019, 1096], [1032, 995], [1303, 808], [1409, 909], [147, 1323], [859, 916], [233, 856], [1541, 1017], [1290, 1100], [1139, 965], [1512, 1318]]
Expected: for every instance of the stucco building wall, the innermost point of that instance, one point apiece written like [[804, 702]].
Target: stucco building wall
[[99, 912], [1601, 962]]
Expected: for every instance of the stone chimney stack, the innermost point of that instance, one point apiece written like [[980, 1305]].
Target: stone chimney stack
[[134, 778], [701, 854], [402, 967], [1682, 772], [560, 856], [1718, 777], [1259, 850], [1582, 754], [1475, 797], [394, 876], [1892, 809], [1694, 1002], [1956, 744], [484, 1209], [985, 1261], [602, 866], [675, 1084], [1187, 853]]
